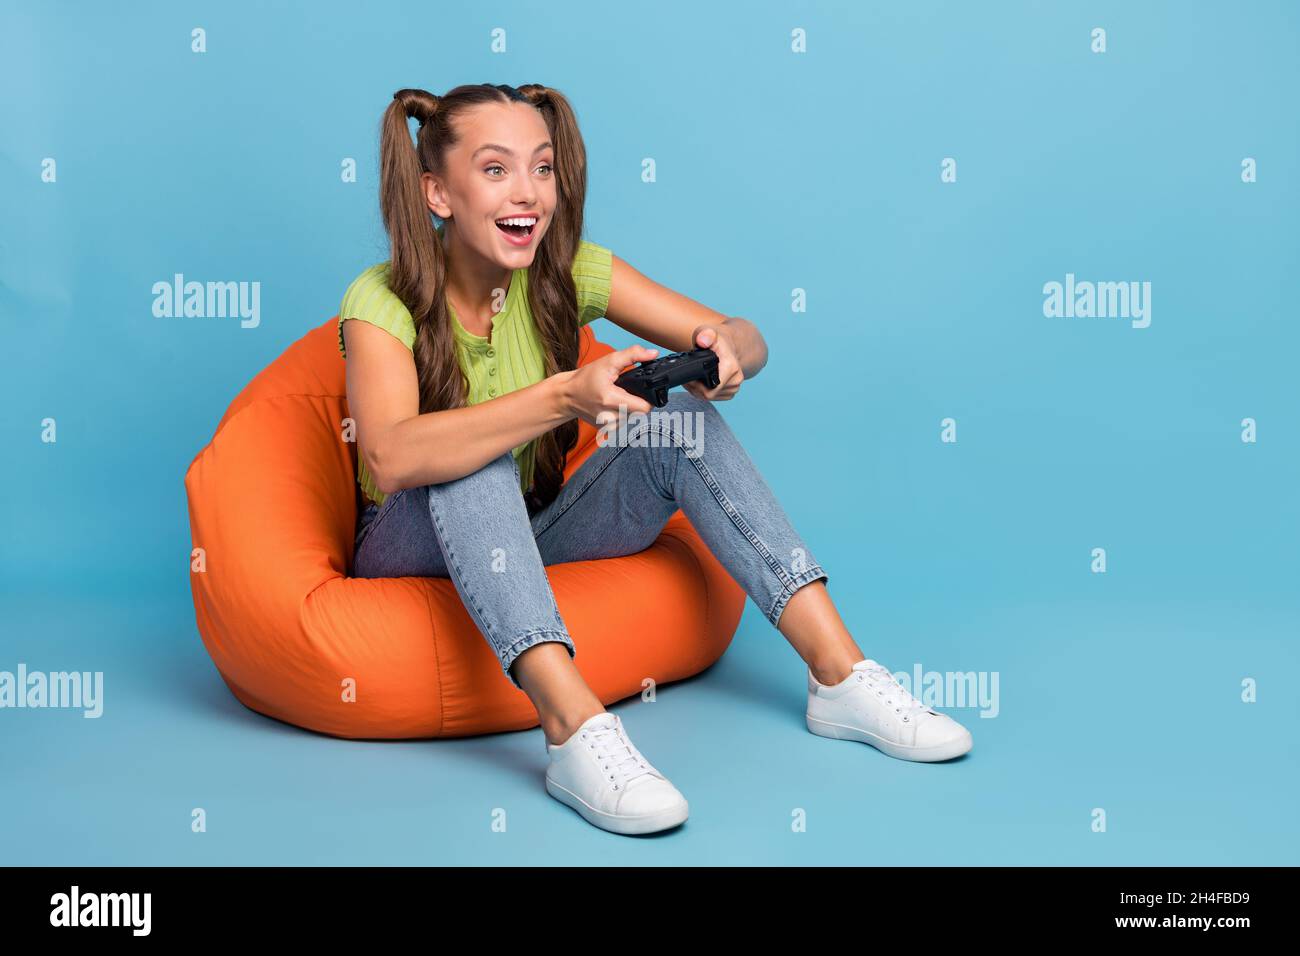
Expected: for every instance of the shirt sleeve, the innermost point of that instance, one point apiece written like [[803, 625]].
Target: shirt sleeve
[[592, 270], [369, 299]]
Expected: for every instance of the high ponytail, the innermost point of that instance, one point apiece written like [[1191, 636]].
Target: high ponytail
[[417, 264]]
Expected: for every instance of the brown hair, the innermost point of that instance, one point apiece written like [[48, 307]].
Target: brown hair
[[418, 267]]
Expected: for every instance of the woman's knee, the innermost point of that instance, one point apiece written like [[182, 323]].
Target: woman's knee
[[499, 475], [681, 423], [488, 496]]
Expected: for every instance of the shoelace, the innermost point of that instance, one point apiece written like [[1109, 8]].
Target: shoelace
[[893, 692], [618, 756]]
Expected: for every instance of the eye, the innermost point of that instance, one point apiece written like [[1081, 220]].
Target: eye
[[545, 166], [494, 166]]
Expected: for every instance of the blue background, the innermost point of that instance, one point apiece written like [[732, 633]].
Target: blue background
[[775, 171]]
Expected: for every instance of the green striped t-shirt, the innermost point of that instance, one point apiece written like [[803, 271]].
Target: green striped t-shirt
[[512, 359]]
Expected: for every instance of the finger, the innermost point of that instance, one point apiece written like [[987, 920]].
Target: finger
[[702, 391], [729, 386], [725, 381], [621, 398], [731, 377], [633, 353]]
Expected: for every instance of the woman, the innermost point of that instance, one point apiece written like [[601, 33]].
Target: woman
[[462, 379]]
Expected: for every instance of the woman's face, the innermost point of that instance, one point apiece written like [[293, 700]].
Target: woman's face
[[501, 168]]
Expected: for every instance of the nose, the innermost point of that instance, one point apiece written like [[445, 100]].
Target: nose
[[524, 193]]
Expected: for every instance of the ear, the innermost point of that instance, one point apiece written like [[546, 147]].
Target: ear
[[435, 196]]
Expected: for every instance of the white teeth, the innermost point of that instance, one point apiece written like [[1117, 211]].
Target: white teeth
[[525, 221]]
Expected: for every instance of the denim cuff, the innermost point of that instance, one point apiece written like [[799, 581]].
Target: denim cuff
[[530, 639], [806, 576]]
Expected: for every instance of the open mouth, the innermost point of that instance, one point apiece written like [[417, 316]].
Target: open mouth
[[518, 228]]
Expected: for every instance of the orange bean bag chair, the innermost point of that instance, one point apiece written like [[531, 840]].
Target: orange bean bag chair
[[273, 502]]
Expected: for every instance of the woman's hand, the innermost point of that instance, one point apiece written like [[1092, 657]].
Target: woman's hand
[[590, 392], [730, 374]]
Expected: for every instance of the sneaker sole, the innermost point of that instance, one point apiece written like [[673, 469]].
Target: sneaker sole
[[945, 751], [630, 825]]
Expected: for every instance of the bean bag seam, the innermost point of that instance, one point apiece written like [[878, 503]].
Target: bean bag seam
[[437, 658], [252, 404], [708, 597]]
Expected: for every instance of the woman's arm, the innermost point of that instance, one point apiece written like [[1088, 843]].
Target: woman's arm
[[671, 320], [397, 441], [405, 449]]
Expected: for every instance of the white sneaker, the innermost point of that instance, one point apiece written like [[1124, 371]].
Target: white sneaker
[[871, 706], [600, 773]]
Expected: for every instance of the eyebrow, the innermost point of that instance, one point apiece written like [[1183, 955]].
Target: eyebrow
[[509, 152]]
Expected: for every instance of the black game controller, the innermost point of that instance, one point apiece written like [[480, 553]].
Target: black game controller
[[652, 380]]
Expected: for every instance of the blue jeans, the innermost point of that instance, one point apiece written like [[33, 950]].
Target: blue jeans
[[478, 531]]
